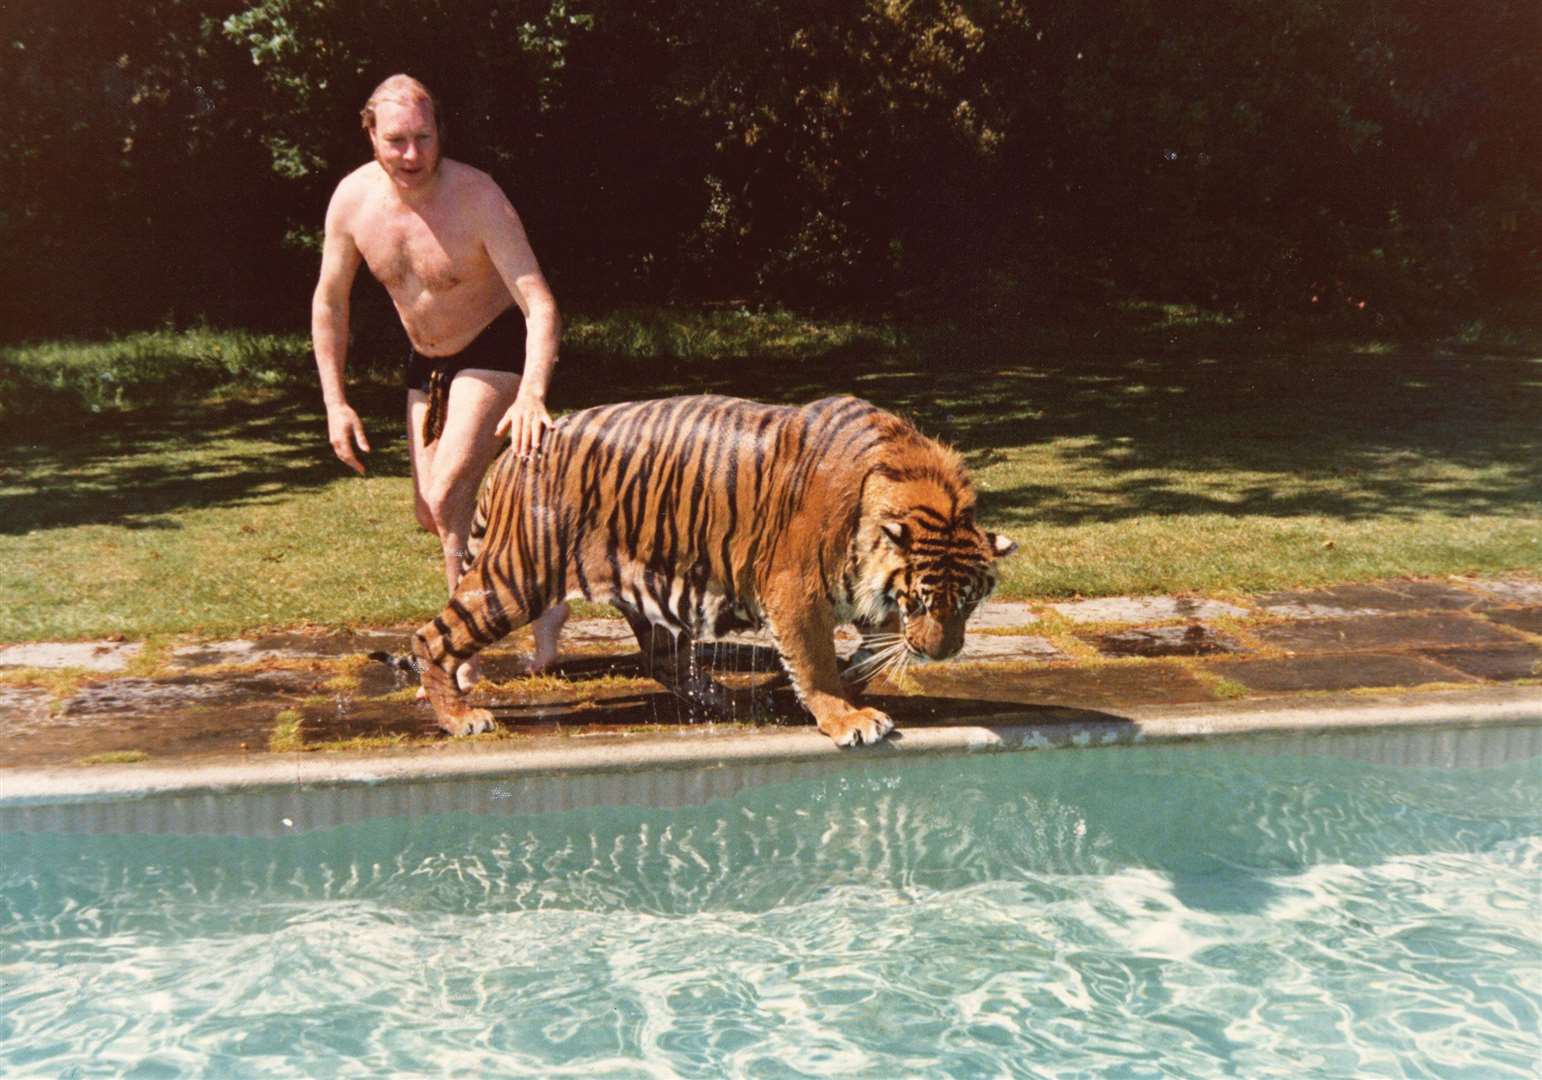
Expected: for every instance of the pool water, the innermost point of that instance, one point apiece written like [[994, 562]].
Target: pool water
[[1123, 912]]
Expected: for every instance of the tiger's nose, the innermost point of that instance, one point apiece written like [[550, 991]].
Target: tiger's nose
[[935, 639]]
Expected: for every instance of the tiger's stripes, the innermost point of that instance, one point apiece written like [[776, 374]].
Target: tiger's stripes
[[703, 515]]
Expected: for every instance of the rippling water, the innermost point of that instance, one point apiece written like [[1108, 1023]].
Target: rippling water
[[1124, 912]]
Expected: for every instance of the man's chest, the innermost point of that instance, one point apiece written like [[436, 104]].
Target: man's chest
[[407, 250]]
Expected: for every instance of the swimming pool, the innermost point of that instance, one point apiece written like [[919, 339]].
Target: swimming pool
[[1257, 908]]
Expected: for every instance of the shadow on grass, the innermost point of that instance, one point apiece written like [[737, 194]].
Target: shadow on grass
[[1141, 416], [1337, 434], [141, 468]]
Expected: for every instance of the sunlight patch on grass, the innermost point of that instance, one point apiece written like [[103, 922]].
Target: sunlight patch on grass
[[714, 333], [102, 376]]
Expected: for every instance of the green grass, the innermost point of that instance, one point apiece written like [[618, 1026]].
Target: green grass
[[60, 380], [116, 757], [193, 491], [286, 736]]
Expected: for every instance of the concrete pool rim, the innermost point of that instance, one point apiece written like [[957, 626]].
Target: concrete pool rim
[[1015, 729]]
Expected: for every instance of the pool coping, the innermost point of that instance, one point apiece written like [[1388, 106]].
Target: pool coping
[[1014, 729]]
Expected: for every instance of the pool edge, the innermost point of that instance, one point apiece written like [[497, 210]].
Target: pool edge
[[1012, 730]]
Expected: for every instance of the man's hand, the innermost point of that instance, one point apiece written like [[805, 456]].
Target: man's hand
[[525, 424], [344, 431]]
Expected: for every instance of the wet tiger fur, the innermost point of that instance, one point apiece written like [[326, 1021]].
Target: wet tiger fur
[[704, 515]]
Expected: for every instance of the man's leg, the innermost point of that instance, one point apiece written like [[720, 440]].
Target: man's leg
[[422, 458], [478, 400]]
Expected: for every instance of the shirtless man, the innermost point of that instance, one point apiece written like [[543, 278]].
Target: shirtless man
[[449, 248]]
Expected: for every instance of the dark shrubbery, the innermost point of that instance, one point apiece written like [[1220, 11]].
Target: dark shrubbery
[[1365, 158]]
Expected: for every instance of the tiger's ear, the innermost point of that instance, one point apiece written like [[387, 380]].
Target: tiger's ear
[[1001, 546], [898, 535]]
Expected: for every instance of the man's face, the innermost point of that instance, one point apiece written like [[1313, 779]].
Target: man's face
[[406, 142]]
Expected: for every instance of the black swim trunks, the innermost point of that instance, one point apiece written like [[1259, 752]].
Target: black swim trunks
[[499, 347]]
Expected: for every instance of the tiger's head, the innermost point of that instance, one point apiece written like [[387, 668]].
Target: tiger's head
[[920, 556]]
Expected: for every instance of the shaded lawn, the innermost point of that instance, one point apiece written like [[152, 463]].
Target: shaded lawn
[[1146, 466]]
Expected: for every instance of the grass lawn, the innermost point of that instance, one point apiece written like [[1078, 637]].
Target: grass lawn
[[181, 482]]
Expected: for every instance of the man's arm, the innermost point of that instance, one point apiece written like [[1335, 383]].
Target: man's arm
[[508, 247], [340, 260]]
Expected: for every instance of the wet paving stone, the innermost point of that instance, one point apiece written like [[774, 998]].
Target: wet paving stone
[[1156, 641], [146, 696], [749, 657], [1383, 632], [1500, 664], [1093, 687], [1527, 619], [1468, 632], [289, 647], [1362, 670], [1146, 609], [1437, 595], [349, 718], [1347, 601], [937, 710], [377, 680], [543, 713], [103, 656], [223, 730], [23, 709]]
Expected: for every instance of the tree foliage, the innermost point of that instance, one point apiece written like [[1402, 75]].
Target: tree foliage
[[174, 157]]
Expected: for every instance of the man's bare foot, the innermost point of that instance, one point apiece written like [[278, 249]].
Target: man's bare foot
[[547, 629], [469, 674]]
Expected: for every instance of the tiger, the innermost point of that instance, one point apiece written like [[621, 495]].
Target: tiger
[[704, 515]]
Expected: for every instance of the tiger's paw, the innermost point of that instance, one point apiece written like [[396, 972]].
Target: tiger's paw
[[467, 722], [857, 727]]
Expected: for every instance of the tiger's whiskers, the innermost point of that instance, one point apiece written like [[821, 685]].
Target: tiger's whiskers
[[886, 653]]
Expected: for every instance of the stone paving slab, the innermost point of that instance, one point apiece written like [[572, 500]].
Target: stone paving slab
[[1346, 601], [1366, 633], [1525, 619], [1195, 639], [225, 730], [1008, 647], [24, 708], [147, 696], [1002, 615], [1091, 687], [288, 647], [102, 656], [1316, 673], [1128, 609], [1504, 663], [221, 698], [1510, 590], [599, 631]]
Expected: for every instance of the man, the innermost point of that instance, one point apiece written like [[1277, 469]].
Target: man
[[447, 245]]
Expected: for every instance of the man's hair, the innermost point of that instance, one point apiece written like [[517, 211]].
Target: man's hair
[[404, 90]]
